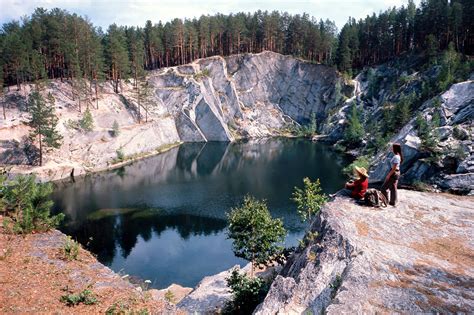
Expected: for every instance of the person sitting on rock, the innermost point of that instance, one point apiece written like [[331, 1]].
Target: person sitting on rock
[[356, 189]]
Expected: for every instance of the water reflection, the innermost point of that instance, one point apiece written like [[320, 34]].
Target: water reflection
[[154, 217]]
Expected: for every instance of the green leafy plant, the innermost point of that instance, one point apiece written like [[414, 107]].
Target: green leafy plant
[[115, 129], [203, 74], [361, 161], [310, 199], [169, 296], [247, 293], [29, 204], [120, 155], [354, 131], [87, 121], [86, 297], [70, 248], [335, 285], [255, 233]]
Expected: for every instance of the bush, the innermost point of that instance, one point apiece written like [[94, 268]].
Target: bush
[[361, 161], [247, 293], [255, 233], [354, 130], [427, 132], [29, 204], [310, 199], [203, 74], [87, 297], [70, 248], [120, 155], [87, 122], [115, 129]]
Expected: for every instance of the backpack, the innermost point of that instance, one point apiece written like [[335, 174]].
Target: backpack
[[375, 198]]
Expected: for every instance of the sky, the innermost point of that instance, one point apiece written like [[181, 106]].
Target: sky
[[136, 12]]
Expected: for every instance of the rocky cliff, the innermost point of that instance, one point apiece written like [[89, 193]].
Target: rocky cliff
[[413, 258], [212, 99]]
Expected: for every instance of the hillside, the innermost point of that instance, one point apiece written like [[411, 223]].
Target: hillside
[[212, 99]]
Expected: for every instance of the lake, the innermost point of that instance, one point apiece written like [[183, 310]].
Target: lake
[[163, 218]]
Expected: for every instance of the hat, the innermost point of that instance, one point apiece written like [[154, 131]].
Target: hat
[[361, 171]]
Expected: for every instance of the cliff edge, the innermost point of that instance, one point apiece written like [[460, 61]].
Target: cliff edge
[[413, 258]]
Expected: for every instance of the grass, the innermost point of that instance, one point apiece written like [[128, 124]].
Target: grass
[[86, 297]]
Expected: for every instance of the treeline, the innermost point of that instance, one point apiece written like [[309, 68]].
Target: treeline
[[57, 44], [429, 28]]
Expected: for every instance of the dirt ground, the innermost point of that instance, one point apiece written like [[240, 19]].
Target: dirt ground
[[35, 274]]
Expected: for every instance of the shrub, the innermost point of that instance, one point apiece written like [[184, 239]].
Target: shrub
[[310, 199], [247, 293], [29, 204], [354, 130], [421, 186], [427, 132], [70, 248], [115, 129], [120, 155], [361, 161], [255, 233], [86, 297], [204, 73], [87, 122], [169, 296]]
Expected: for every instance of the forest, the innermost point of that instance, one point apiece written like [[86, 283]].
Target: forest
[[52, 44]]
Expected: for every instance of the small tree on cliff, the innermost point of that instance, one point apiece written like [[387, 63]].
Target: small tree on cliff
[[255, 233], [43, 122], [310, 199]]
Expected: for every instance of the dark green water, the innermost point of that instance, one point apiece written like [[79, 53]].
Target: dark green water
[[164, 218]]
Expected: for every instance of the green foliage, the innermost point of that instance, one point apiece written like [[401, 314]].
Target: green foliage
[[354, 131], [247, 293], [43, 122], [86, 297], [361, 161], [120, 155], [169, 296], [87, 121], [29, 205], [70, 248], [115, 129], [449, 65], [421, 186], [254, 232], [428, 134], [310, 199], [335, 285], [204, 73]]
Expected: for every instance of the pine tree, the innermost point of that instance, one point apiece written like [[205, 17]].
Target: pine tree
[[354, 130], [116, 54], [43, 123]]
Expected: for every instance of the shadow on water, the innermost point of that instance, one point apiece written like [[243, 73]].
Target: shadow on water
[[164, 218]]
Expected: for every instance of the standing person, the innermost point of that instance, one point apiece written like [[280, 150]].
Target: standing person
[[391, 180]]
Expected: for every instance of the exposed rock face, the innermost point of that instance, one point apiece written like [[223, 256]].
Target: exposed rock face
[[218, 99], [210, 295], [456, 171], [413, 258], [212, 99]]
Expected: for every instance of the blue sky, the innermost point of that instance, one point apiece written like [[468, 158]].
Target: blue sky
[[136, 12]]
